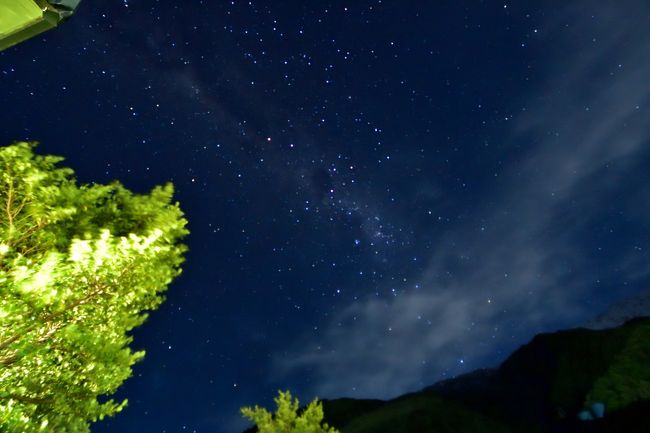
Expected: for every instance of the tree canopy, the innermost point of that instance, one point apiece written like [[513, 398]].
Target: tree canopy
[[286, 419], [80, 266], [628, 378]]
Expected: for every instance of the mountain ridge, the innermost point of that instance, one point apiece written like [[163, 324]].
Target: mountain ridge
[[622, 311], [541, 387]]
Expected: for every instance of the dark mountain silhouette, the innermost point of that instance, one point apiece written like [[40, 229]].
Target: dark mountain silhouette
[[540, 388]]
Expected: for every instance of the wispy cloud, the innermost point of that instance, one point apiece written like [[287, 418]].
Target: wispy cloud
[[585, 128]]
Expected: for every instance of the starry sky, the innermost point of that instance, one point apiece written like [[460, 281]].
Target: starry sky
[[381, 194]]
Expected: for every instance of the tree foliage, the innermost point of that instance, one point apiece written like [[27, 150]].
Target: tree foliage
[[286, 419], [628, 378], [79, 268]]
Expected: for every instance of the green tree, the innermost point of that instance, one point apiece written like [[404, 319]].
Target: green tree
[[79, 268], [286, 419], [628, 378]]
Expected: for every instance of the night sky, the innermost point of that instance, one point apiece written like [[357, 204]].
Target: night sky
[[381, 194]]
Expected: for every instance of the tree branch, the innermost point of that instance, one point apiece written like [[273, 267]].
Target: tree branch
[[20, 207], [33, 229], [10, 198], [98, 290], [27, 399], [9, 359]]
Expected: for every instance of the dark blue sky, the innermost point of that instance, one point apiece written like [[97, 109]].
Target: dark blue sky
[[380, 194]]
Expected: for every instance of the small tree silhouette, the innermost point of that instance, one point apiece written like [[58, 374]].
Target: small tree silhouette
[[286, 419]]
